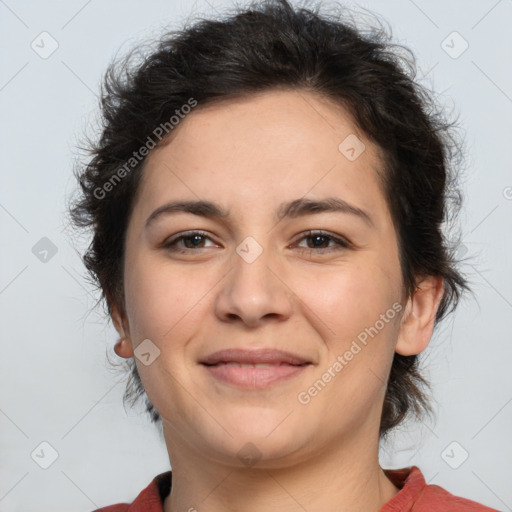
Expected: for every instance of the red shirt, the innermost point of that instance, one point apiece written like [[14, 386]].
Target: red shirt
[[414, 495]]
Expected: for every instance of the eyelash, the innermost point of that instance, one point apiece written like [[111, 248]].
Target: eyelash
[[340, 242]]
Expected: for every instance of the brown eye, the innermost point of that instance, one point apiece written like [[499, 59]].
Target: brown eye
[[191, 240], [320, 239]]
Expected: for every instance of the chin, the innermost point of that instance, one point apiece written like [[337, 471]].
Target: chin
[[262, 438]]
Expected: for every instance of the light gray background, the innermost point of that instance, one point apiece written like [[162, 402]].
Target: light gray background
[[55, 386]]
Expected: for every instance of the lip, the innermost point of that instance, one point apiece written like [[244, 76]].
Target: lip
[[236, 367], [245, 356]]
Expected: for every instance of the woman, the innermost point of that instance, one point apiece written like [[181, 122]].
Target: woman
[[266, 201]]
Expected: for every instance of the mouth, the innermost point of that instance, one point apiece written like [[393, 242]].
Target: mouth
[[253, 365], [254, 369]]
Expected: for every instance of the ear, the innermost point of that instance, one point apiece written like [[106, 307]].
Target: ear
[[123, 347], [418, 320]]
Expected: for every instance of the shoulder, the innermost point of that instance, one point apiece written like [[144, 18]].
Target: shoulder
[[150, 499], [415, 495], [437, 498]]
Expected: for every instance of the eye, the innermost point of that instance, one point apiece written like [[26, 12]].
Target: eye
[[195, 239], [191, 239], [320, 238]]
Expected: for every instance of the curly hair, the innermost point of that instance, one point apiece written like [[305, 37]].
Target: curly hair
[[271, 44]]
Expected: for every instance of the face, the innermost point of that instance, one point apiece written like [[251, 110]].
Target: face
[[323, 285]]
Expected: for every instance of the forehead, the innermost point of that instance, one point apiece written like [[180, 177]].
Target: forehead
[[265, 148]]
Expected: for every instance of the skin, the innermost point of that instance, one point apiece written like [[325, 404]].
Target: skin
[[249, 155]]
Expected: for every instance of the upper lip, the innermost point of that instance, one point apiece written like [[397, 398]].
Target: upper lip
[[245, 356]]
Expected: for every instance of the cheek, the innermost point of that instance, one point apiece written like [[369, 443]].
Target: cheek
[[350, 299], [359, 325], [158, 297]]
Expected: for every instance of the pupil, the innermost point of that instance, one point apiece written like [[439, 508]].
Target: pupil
[[197, 238], [316, 238]]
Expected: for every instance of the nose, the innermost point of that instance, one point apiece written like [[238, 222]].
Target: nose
[[254, 291]]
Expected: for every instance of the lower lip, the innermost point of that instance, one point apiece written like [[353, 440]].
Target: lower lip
[[255, 378]]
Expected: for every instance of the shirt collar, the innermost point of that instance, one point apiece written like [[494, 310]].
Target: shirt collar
[[409, 480]]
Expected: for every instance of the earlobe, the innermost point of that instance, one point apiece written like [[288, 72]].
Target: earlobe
[[123, 348], [419, 317]]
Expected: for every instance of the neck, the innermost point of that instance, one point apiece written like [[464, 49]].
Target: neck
[[345, 478]]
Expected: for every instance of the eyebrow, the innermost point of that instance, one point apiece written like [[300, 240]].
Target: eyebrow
[[292, 209]]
